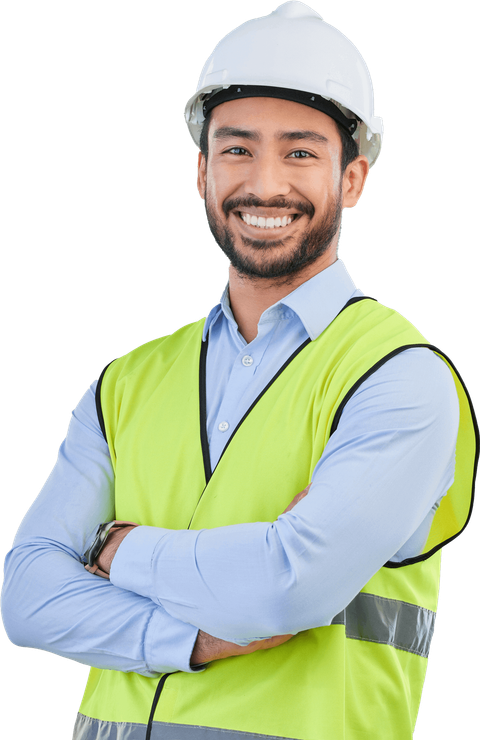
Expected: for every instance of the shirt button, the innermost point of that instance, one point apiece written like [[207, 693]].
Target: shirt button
[[223, 426], [247, 360]]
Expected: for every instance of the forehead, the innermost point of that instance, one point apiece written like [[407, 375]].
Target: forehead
[[269, 117]]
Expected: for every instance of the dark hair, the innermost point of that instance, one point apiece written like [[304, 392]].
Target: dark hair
[[349, 145]]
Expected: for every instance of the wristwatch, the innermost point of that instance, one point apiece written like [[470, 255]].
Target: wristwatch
[[98, 544]]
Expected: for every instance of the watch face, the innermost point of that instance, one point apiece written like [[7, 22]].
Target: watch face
[[95, 548]]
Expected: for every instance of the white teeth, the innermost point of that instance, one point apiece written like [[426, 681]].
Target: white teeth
[[266, 223]]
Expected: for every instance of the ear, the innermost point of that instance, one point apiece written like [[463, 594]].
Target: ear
[[202, 175], [354, 180]]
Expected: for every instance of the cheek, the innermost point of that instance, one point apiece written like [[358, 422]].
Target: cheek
[[317, 185], [225, 181], [214, 188], [327, 194]]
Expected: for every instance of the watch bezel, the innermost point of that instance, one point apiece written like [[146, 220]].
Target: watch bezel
[[96, 547]]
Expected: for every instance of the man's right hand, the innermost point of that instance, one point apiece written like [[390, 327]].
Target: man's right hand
[[297, 498], [208, 648]]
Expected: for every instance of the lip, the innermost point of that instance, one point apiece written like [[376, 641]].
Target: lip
[[264, 232]]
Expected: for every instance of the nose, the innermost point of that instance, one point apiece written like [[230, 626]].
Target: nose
[[267, 178]]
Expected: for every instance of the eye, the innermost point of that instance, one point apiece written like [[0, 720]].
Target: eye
[[236, 150], [301, 154]]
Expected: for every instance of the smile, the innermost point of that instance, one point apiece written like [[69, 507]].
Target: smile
[[260, 222]]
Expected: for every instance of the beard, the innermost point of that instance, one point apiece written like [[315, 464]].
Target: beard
[[311, 246]]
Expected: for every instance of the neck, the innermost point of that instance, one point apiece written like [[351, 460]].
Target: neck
[[250, 297]]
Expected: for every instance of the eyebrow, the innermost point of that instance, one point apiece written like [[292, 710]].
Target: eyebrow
[[227, 132]]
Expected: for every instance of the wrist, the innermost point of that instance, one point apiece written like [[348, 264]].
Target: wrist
[[109, 550], [205, 649], [100, 554], [208, 648]]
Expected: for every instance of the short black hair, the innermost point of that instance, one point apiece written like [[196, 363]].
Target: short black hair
[[349, 145]]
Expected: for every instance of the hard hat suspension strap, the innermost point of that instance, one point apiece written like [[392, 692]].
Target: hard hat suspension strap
[[233, 92]]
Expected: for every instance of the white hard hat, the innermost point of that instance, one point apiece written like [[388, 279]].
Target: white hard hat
[[292, 51]]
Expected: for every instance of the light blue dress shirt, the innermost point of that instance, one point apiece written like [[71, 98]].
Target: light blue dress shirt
[[373, 496]]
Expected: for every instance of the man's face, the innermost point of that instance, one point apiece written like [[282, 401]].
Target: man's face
[[272, 185]]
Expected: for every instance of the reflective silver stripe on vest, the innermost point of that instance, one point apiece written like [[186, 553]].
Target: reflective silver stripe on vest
[[368, 617], [87, 728], [390, 622]]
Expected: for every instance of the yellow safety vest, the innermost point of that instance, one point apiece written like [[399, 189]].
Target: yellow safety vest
[[360, 678]]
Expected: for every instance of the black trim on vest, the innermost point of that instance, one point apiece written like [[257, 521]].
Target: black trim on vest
[[203, 411], [336, 419], [356, 299], [203, 408], [203, 397], [363, 378], [262, 393], [158, 691], [98, 402]]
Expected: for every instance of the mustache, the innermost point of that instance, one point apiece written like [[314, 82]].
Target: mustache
[[253, 202]]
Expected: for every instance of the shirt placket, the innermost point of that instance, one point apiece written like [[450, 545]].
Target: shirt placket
[[244, 367]]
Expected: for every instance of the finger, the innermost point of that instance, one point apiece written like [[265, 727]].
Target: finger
[[301, 495], [297, 498]]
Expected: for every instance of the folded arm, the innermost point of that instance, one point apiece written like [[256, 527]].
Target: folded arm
[[372, 499], [51, 602]]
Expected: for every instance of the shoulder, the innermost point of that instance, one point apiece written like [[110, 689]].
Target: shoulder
[[420, 368], [416, 383], [156, 351]]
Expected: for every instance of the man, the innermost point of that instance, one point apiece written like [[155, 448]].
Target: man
[[296, 395]]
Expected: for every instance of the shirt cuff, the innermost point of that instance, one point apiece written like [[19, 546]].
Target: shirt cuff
[[169, 641], [169, 644], [131, 567]]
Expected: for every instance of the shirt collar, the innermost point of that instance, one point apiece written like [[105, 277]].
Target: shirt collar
[[316, 302]]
